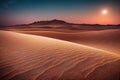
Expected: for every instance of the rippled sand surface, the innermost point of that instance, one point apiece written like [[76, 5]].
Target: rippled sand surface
[[30, 57]]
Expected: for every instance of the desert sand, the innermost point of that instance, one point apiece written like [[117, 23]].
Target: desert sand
[[108, 40], [31, 57]]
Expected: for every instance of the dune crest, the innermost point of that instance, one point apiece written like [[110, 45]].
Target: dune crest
[[104, 39], [30, 57]]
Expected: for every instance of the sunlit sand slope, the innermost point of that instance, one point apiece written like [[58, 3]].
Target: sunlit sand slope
[[29, 57], [104, 39]]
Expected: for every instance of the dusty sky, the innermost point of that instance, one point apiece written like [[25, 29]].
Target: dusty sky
[[76, 11]]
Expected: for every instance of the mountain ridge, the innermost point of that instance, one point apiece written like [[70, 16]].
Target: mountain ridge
[[51, 22]]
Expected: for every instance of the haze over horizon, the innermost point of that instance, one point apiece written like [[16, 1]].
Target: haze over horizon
[[74, 11]]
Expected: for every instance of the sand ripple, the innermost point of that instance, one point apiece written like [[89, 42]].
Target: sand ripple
[[29, 57]]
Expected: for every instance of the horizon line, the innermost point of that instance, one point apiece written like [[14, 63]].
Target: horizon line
[[59, 20]]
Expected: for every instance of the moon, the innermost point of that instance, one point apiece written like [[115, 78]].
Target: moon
[[104, 12]]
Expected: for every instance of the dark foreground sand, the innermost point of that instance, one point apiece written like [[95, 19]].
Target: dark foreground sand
[[30, 57]]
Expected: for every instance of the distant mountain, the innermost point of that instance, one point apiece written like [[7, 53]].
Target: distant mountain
[[60, 24], [66, 25], [51, 22]]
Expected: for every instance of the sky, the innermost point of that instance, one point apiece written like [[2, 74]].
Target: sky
[[14, 12]]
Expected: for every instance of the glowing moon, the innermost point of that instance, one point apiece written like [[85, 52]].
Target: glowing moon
[[104, 12]]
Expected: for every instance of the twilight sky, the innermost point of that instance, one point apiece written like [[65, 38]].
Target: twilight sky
[[76, 11]]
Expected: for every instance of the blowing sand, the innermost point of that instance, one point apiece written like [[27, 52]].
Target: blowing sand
[[30, 57]]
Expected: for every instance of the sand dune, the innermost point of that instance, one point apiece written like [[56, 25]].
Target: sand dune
[[104, 39], [30, 57]]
